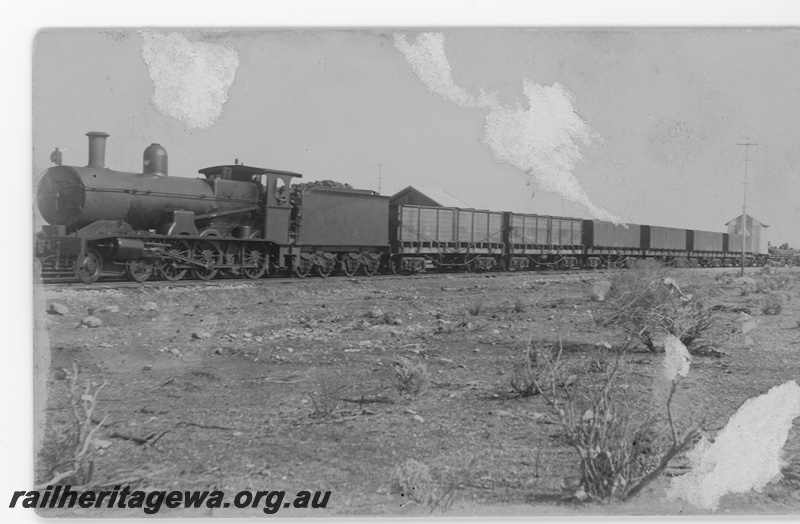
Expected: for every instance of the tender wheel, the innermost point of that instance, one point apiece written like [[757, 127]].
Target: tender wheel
[[370, 267], [326, 268], [255, 256], [89, 267], [303, 269], [349, 266], [206, 252], [169, 269], [139, 270]]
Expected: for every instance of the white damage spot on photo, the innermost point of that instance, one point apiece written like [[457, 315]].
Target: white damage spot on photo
[[190, 79], [541, 137], [745, 455]]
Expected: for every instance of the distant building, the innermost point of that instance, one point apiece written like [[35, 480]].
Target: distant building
[[427, 196], [754, 241]]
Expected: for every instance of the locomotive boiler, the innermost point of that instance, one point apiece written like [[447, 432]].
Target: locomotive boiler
[[76, 197]]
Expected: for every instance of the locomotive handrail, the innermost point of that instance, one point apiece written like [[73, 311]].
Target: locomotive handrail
[[167, 195]]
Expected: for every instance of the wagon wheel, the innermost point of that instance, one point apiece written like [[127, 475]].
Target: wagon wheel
[[254, 256], [89, 267], [169, 269], [303, 269], [208, 253], [140, 270], [370, 266], [473, 267], [326, 268], [349, 266]]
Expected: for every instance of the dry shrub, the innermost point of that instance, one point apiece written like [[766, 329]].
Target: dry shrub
[[476, 308], [68, 457], [772, 304], [327, 394], [410, 378], [416, 483], [648, 304], [619, 431]]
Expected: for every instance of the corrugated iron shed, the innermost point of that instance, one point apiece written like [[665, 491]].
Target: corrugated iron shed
[[427, 196]]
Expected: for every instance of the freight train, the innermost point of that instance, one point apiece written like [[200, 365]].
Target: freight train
[[249, 222]]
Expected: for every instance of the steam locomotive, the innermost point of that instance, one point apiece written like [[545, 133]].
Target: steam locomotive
[[248, 221], [237, 220]]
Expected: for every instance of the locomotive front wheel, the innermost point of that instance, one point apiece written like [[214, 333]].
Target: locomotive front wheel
[[169, 267], [139, 270], [88, 267], [254, 256]]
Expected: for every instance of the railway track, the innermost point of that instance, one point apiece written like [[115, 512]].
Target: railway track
[[276, 280]]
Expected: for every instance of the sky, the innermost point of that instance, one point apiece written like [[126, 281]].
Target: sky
[[633, 125]]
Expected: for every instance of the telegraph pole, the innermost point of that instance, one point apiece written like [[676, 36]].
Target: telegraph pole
[[380, 176], [744, 204]]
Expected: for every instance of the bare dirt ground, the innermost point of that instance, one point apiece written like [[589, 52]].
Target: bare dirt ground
[[232, 377]]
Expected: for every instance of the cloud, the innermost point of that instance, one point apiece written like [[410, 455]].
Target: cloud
[[541, 137], [190, 79]]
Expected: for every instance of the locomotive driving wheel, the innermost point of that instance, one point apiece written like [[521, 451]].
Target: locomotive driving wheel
[[89, 267], [254, 255], [207, 253], [169, 269], [139, 270]]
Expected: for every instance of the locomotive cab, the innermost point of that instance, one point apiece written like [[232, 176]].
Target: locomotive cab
[[274, 187]]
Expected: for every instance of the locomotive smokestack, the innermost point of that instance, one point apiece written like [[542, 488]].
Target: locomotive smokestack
[[97, 149], [155, 160]]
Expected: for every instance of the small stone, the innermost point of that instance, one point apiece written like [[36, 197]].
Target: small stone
[[289, 350], [199, 335], [161, 318], [419, 419], [504, 413], [175, 352], [106, 345], [218, 351], [375, 312], [311, 324], [102, 444], [149, 306], [108, 309], [248, 335], [57, 309], [92, 322], [398, 322], [495, 332], [265, 472], [233, 335], [147, 367]]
